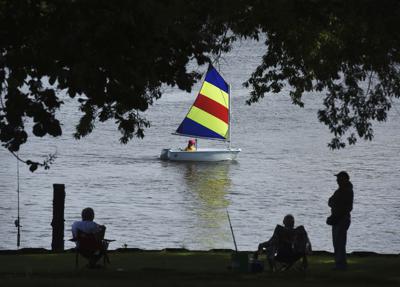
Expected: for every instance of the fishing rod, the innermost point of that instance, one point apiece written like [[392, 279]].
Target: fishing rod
[[233, 234], [17, 221]]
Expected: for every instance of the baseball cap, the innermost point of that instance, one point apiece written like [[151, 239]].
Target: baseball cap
[[343, 175]]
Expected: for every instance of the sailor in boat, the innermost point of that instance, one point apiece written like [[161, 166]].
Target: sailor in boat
[[191, 145]]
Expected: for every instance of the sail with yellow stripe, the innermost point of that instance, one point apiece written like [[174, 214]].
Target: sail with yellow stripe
[[209, 115]]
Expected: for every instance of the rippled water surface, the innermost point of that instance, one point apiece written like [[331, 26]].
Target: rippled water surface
[[284, 167]]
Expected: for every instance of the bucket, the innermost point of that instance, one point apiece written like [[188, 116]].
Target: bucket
[[240, 261]]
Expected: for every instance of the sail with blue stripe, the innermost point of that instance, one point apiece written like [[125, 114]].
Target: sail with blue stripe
[[209, 115]]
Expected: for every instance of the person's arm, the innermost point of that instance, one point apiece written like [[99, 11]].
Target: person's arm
[[308, 243], [269, 243], [74, 229], [102, 230], [348, 201], [262, 246], [332, 200]]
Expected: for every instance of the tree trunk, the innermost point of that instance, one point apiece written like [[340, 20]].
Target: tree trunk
[[57, 243]]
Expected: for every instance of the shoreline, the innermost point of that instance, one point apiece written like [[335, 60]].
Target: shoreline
[[180, 250], [176, 267]]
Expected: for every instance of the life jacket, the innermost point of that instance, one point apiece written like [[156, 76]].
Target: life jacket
[[190, 148]]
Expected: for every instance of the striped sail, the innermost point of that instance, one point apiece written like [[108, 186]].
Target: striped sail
[[209, 115]]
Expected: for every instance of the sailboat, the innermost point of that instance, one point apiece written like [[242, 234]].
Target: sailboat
[[208, 118]]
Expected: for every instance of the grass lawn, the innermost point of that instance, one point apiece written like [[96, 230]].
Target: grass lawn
[[185, 268]]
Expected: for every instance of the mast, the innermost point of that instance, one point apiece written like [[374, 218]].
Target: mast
[[229, 122]]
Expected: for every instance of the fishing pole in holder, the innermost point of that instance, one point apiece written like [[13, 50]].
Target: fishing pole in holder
[[233, 234], [17, 222]]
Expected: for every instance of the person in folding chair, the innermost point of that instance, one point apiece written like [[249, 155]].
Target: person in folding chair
[[286, 246], [89, 239]]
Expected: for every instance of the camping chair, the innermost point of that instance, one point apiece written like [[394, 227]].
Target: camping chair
[[286, 247], [92, 246]]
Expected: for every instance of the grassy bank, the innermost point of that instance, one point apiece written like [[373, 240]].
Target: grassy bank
[[185, 268]]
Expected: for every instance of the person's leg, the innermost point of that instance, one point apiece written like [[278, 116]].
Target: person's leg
[[334, 241], [340, 240], [271, 252], [271, 263], [304, 262], [92, 255], [260, 250]]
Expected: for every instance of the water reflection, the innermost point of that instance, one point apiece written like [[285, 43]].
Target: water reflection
[[207, 186], [209, 183]]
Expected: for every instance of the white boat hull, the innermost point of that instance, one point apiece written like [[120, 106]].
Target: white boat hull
[[209, 154]]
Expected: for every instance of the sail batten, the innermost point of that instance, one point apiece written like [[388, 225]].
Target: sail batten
[[209, 115]]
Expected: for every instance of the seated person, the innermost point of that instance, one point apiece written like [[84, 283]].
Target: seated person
[[191, 145], [287, 245], [89, 236]]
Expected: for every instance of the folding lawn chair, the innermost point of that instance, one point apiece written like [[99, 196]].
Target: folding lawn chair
[[286, 247], [92, 246]]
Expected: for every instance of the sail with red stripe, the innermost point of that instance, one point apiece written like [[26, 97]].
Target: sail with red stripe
[[209, 115]]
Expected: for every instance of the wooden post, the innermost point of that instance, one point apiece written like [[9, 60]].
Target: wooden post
[[57, 243]]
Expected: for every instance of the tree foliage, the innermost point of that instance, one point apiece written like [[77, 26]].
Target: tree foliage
[[347, 50], [114, 56]]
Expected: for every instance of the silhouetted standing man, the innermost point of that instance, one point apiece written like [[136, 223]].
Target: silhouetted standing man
[[341, 203]]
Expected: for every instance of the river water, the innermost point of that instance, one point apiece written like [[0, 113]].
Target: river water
[[285, 167]]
